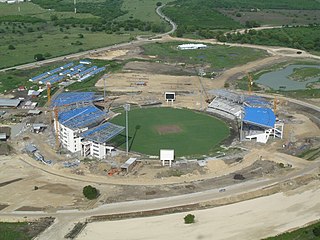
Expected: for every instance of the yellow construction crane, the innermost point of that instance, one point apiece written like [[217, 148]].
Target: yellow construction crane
[[49, 93], [56, 114], [275, 104], [250, 83]]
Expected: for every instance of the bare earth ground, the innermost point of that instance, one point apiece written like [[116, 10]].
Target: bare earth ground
[[60, 188], [167, 129], [253, 219]]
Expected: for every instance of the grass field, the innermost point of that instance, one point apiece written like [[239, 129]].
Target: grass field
[[53, 44], [31, 9], [55, 30], [14, 231], [192, 15], [311, 232], [141, 9], [217, 56], [276, 17], [303, 74], [188, 133]]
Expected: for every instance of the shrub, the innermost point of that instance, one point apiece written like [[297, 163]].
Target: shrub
[[316, 231], [11, 47], [90, 192], [39, 57], [189, 219], [238, 176]]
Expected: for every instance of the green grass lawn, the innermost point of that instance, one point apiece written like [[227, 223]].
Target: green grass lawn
[[13, 231], [34, 10], [217, 56], [195, 133], [141, 9], [303, 74], [57, 44], [311, 232]]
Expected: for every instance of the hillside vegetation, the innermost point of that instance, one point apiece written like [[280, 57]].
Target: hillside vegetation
[[307, 38], [202, 17], [51, 28]]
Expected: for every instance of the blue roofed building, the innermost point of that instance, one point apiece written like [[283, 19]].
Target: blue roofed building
[[95, 140], [82, 127], [262, 117], [73, 121], [260, 123], [69, 98]]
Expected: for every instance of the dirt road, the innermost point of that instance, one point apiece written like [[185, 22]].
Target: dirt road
[[248, 220]]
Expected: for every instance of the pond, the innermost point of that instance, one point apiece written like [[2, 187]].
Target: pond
[[280, 80]]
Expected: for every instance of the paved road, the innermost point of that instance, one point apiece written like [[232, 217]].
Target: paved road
[[65, 219]]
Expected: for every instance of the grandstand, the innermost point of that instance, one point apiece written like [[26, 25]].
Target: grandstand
[[257, 119], [96, 139], [71, 98], [72, 121], [81, 126], [259, 123]]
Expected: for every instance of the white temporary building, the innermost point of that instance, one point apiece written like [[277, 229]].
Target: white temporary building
[[190, 46]]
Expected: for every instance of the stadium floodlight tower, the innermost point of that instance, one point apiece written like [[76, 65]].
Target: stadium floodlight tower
[[75, 6], [127, 109]]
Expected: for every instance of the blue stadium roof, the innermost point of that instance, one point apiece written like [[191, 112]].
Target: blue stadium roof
[[81, 117], [68, 98], [102, 133], [263, 117]]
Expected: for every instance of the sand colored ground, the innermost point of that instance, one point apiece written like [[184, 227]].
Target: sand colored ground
[[303, 127], [109, 55], [249, 220]]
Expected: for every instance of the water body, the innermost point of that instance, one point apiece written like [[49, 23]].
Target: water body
[[279, 80]]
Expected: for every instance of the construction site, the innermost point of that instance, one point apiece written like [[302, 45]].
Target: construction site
[[73, 141]]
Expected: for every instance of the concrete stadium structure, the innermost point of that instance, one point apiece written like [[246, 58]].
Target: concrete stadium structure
[[82, 127], [254, 113]]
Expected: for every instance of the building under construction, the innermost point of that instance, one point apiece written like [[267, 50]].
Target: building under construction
[[255, 114], [82, 127]]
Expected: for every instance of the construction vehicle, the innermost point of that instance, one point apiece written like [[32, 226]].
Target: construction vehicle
[[113, 171]]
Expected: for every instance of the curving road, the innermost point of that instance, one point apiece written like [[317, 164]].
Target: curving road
[[66, 219]]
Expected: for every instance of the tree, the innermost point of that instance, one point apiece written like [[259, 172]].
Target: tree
[[53, 17], [238, 176], [316, 231], [80, 35], [11, 47], [188, 219], [159, 4], [39, 57], [90, 192]]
